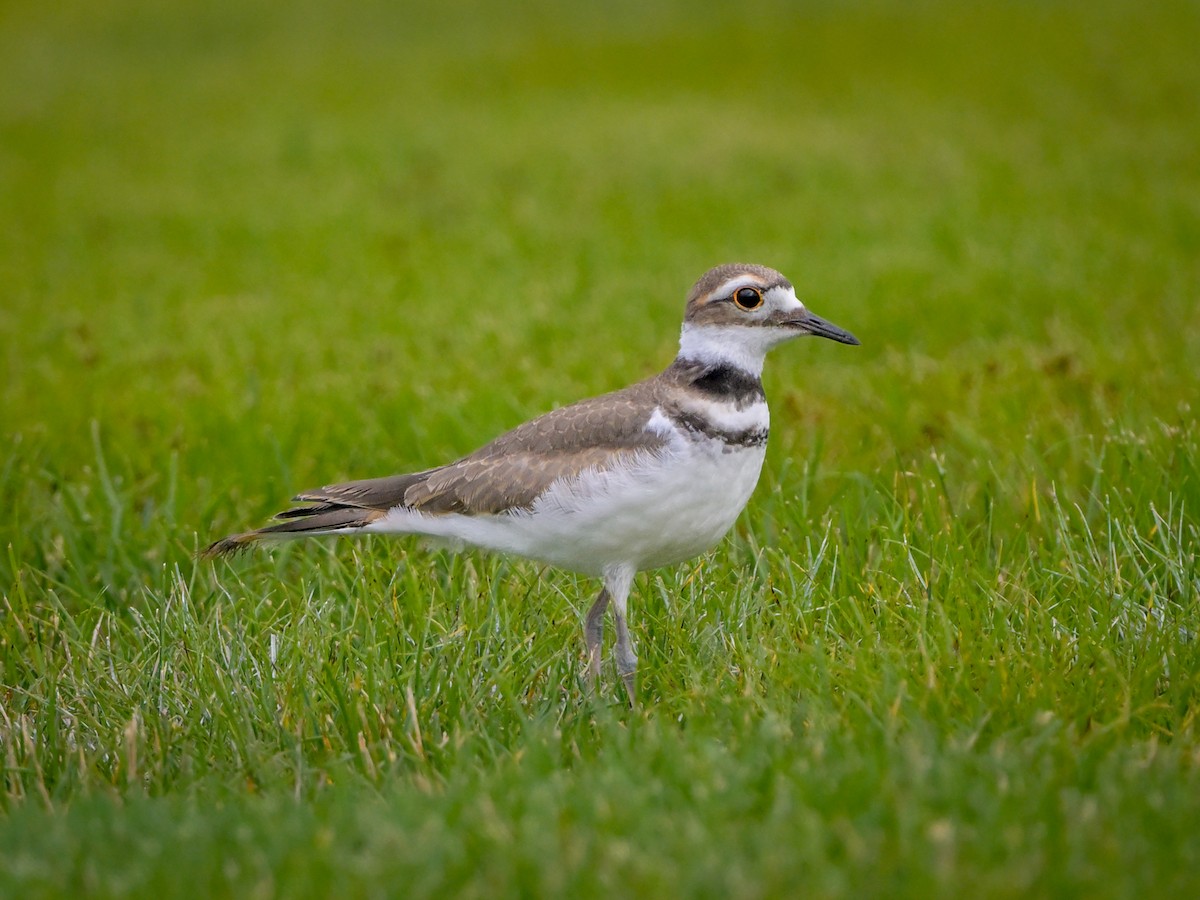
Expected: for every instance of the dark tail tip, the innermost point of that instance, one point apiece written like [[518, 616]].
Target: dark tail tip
[[230, 546]]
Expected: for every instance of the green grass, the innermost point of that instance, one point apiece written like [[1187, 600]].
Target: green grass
[[950, 648]]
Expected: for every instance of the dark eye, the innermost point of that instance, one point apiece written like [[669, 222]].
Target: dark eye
[[748, 298]]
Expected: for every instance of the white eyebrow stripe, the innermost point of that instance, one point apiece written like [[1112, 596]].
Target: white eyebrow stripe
[[788, 298], [727, 288]]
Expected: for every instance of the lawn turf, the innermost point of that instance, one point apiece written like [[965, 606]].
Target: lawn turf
[[950, 648]]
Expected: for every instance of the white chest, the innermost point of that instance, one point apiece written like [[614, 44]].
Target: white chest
[[660, 509]]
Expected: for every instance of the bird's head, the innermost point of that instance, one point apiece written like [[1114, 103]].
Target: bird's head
[[736, 313]]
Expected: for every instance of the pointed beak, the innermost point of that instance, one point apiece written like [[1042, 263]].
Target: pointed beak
[[810, 324]]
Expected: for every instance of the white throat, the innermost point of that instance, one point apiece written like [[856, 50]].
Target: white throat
[[739, 346]]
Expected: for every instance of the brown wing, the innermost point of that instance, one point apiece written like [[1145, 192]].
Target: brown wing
[[513, 470], [510, 473], [516, 468], [369, 493]]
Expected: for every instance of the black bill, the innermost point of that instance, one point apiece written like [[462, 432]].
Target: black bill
[[821, 328]]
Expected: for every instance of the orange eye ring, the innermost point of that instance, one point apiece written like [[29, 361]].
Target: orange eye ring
[[747, 298]]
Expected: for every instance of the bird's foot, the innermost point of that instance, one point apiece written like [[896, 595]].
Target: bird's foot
[[627, 666]]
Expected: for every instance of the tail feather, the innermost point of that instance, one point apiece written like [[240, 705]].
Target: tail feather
[[229, 546], [323, 518], [299, 512]]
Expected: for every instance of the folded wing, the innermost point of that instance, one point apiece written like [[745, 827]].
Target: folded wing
[[506, 475]]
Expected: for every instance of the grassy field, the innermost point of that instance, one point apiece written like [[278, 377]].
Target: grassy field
[[950, 649]]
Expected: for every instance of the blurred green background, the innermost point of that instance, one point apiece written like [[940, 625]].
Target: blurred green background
[[249, 248], [262, 211]]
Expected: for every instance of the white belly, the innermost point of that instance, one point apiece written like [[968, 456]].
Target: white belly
[[658, 514]]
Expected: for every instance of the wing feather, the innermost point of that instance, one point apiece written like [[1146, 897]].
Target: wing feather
[[506, 475], [516, 468], [512, 471]]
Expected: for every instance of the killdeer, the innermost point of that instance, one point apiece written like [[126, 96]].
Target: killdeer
[[646, 476]]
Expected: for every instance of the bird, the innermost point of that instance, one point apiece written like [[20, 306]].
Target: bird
[[647, 476]]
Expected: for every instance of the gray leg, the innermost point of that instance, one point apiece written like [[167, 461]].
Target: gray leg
[[617, 582], [594, 633]]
